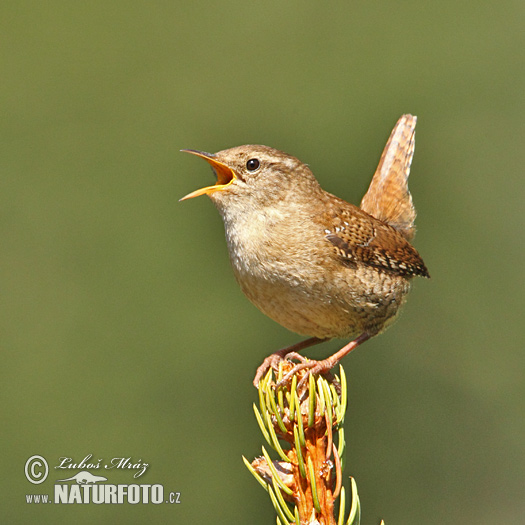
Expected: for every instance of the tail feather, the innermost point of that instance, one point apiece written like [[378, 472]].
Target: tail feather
[[388, 197]]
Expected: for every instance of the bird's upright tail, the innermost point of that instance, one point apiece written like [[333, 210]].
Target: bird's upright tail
[[388, 197]]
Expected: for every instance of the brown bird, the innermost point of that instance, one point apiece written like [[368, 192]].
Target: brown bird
[[314, 263]]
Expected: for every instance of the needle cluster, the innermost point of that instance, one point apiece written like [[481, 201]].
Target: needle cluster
[[306, 431]]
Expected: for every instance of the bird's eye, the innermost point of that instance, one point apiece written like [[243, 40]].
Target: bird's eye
[[252, 164]]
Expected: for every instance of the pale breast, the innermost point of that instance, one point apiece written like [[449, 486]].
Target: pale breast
[[299, 294]]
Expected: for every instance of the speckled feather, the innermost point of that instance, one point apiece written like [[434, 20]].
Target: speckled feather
[[360, 238]]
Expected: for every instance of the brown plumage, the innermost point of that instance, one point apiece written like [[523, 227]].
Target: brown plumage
[[388, 198], [360, 238], [312, 262]]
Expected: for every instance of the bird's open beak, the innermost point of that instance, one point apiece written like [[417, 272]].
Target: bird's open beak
[[225, 175]]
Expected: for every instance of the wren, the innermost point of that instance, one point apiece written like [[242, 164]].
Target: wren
[[316, 264]]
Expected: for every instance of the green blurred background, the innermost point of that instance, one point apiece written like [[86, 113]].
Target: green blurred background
[[123, 331]]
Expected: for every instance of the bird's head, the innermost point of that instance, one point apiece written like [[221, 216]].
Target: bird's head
[[254, 174]]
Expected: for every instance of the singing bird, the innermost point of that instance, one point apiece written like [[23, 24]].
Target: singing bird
[[316, 264]]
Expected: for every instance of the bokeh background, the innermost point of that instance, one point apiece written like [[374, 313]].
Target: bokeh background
[[123, 332]]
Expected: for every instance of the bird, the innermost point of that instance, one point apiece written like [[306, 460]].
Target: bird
[[314, 263]]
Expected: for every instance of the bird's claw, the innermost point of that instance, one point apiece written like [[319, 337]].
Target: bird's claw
[[313, 367], [288, 353], [272, 361]]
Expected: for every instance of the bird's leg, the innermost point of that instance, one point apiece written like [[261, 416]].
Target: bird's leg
[[321, 367], [272, 360]]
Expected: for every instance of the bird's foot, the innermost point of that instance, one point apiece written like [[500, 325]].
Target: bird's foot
[[290, 352], [272, 361], [312, 367], [324, 366]]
